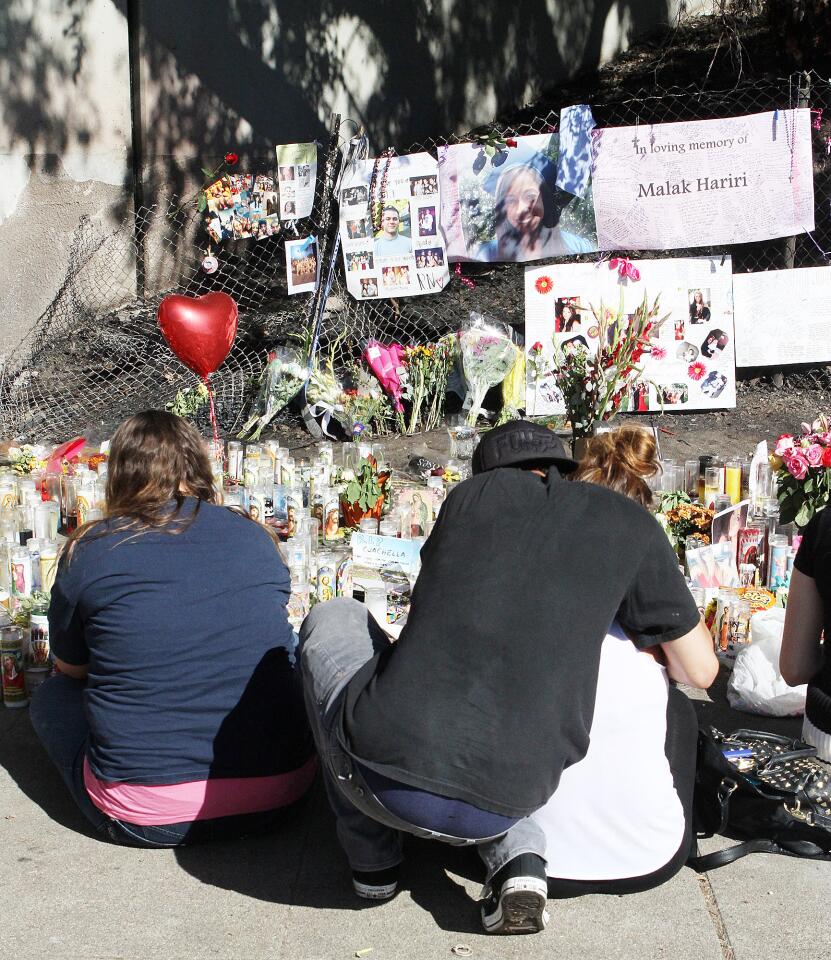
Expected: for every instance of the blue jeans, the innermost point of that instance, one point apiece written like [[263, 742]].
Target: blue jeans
[[336, 640], [58, 718]]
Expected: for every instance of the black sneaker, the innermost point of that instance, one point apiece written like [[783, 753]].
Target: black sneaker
[[518, 893], [375, 884]]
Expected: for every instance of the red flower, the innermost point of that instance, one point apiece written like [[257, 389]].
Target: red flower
[[537, 348], [696, 370], [544, 284], [510, 142], [232, 159], [826, 457]]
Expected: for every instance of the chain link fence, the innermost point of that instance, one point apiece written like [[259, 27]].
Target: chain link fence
[[96, 355]]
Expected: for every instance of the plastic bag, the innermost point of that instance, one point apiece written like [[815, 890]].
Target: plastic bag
[[280, 381], [487, 353], [756, 685]]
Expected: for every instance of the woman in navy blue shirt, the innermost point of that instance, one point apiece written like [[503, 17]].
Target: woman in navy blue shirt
[[177, 713]]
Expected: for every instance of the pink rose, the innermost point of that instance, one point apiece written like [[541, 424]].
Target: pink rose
[[783, 444], [814, 455], [796, 464]]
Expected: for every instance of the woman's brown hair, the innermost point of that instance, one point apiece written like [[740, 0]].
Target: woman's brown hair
[[621, 460], [156, 459]]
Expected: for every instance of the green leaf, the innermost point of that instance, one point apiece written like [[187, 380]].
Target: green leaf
[[803, 517], [202, 203], [207, 174]]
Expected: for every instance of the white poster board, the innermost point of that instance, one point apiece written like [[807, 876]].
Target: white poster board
[[690, 364], [392, 243], [296, 176], [783, 316], [675, 185]]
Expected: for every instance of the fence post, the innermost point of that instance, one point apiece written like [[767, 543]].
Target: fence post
[[803, 100]]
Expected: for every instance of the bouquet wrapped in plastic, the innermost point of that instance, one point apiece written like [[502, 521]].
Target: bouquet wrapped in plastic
[[324, 401], [488, 353], [281, 379]]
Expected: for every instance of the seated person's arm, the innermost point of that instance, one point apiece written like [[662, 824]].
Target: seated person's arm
[[691, 658], [66, 629], [78, 672], [801, 655], [659, 611]]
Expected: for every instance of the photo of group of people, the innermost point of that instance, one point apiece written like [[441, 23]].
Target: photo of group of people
[[360, 261], [395, 276], [434, 257], [507, 207], [389, 228], [424, 186], [427, 222], [358, 229], [241, 207], [688, 360], [296, 176], [302, 265]]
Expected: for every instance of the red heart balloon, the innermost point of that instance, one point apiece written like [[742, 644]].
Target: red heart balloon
[[199, 330]]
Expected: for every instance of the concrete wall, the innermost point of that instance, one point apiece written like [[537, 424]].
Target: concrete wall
[[244, 75], [64, 142]]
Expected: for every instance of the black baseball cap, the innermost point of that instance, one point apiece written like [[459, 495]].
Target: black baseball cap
[[521, 442]]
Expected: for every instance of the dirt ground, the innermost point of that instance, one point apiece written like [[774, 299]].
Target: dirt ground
[[763, 411]]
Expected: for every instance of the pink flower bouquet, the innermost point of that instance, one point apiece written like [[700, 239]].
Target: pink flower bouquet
[[803, 471]]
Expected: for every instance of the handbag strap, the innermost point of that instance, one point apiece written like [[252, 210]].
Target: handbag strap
[[721, 858]]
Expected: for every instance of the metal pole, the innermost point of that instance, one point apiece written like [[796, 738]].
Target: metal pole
[[137, 132]]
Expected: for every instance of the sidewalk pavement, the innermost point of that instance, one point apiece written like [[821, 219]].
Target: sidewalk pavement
[[288, 895]]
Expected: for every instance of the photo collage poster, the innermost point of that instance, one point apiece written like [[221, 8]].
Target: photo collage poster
[[690, 363], [296, 178], [505, 206], [242, 206], [392, 243]]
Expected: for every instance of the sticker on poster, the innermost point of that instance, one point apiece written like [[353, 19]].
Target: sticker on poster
[[392, 241], [696, 183], [302, 266], [689, 364], [296, 177], [508, 207]]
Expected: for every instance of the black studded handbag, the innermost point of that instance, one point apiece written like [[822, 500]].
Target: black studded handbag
[[769, 791]]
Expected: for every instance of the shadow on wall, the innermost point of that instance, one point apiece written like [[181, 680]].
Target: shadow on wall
[[247, 74], [37, 70]]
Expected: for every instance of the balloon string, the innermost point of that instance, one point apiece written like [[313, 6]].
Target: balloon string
[[214, 424]]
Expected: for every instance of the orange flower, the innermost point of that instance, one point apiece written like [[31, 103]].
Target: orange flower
[[544, 284]]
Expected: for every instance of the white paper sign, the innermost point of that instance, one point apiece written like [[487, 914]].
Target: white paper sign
[[370, 550], [783, 316], [674, 185], [392, 243], [296, 176], [690, 364]]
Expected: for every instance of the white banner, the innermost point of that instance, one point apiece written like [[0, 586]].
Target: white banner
[[674, 185], [392, 242], [783, 316], [690, 362]]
